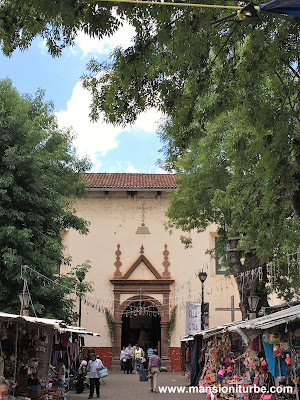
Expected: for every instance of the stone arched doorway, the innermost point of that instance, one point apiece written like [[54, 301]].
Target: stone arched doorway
[[130, 288], [141, 324]]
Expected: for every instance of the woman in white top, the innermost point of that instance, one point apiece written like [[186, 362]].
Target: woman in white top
[[94, 365], [123, 359]]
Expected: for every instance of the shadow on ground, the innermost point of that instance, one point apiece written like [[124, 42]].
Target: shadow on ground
[[119, 386]]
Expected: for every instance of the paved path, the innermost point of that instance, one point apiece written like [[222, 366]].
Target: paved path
[[119, 386]]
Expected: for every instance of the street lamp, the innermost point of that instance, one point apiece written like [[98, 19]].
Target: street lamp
[[253, 301], [202, 276], [80, 275]]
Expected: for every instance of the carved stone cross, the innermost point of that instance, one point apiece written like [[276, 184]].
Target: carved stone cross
[[143, 208]]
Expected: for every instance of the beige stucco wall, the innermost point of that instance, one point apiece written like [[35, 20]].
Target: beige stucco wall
[[114, 219]]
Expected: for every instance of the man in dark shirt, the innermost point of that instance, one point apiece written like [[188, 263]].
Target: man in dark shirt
[[153, 369]]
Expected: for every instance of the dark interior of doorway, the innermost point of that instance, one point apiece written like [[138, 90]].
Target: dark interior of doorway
[[143, 329]]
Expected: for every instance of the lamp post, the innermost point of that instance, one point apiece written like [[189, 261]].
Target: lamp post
[[202, 276], [80, 275], [253, 301]]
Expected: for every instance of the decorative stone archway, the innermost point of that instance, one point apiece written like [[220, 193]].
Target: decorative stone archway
[[129, 285], [136, 300]]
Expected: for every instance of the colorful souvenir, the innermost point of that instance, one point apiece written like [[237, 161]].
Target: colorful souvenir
[[277, 350], [275, 337], [266, 337], [288, 359]]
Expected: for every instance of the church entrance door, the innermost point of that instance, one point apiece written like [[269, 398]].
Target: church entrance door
[[141, 283], [141, 325]]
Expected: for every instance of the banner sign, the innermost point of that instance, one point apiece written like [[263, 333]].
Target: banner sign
[[193, 318]]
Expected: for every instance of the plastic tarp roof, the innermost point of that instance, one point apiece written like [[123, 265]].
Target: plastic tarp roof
[[217, 329], [288, 7], [268, 321], [248, 330], [78, 329], [187, 339], [55, 323]]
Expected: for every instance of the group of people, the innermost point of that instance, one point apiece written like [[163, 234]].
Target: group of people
[[93, 366], [133, 358]]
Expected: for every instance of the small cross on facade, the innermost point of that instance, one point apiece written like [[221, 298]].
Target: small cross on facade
[[143, 208], [232, 309], [140, 292]]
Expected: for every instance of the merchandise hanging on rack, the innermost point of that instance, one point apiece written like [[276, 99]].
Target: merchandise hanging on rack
[[28, 345], [241, 356]]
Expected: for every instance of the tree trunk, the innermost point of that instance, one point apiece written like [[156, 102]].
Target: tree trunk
[[246, 286], [295, 198]]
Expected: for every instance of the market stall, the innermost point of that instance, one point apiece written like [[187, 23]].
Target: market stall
[[263, 352], [25, 350], [186, 345], [68, 343], [277, 336], [28, 345]]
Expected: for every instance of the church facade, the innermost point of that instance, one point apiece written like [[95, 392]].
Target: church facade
[[146, 288]]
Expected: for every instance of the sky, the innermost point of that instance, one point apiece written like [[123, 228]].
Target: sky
[[110, 149]]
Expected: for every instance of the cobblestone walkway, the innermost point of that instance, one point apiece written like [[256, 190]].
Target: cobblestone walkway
[[120, 386]]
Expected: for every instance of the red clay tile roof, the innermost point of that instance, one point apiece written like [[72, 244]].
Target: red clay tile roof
[[130, 181]]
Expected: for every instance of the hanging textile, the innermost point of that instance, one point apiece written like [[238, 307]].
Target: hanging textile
[[196, 368], [288, 7], [274, 363]]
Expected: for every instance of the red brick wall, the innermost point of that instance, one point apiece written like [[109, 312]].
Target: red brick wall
[[175, 359], [105, 354]]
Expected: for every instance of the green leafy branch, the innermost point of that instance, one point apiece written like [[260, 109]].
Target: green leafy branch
[[171, 323], [111, 325]]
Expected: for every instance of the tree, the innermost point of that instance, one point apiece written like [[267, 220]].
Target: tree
[[230, 91], [57, 22], [236, 188], [229, 85], [39, 173]]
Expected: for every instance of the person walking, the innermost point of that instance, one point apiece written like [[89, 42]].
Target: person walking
[[129, 356], [133, 360], [61, 376], [138, 356], [153, 369], [94, 365], [123, 359], [150, 352], [79, 377]]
